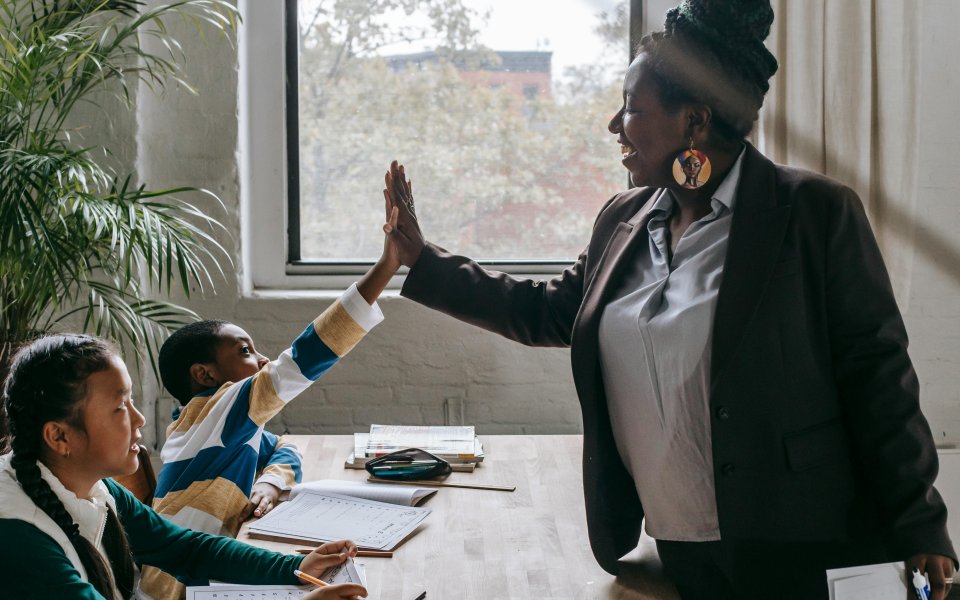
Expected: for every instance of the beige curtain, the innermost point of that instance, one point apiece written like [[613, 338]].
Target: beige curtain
[[844, 103]]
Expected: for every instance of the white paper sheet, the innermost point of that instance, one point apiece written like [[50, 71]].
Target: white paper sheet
[[406, 495], [348, 572], [884, 581], [439, 439], [325, 517], [247, 592]]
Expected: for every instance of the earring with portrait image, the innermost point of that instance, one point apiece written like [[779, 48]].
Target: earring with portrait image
[[691, 169]]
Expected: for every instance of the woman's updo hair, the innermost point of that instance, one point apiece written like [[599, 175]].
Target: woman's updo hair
[[47, 382], [712, 51]]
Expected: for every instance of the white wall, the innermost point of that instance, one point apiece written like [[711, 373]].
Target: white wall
[[417, 360], [933, 313]]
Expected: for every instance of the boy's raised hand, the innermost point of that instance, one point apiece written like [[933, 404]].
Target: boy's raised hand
[[403, 242], [373, 282], [390, 254], [404, 233]]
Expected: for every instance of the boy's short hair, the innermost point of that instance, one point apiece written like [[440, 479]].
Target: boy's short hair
[[191, 344]]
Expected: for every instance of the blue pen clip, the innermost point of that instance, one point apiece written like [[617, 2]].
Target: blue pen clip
[[920, 586]]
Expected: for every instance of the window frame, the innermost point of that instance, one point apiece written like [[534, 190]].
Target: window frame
[[269, 161]]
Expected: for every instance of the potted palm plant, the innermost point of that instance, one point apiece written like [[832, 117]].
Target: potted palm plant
[[81, 239]]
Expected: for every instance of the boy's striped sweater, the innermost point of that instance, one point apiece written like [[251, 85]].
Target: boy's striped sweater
[[211, 455]]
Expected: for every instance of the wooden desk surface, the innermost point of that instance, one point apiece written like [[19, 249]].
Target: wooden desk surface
[[530, 543]]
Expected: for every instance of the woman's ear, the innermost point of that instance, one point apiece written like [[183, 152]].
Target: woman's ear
[[57, 437], [699, 117]]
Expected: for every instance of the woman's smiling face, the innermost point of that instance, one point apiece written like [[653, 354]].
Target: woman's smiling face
[[650, 135]]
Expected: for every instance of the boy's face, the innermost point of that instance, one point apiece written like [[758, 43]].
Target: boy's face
[[235, 358]]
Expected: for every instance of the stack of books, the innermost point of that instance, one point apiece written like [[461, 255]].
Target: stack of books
[[456, 444]]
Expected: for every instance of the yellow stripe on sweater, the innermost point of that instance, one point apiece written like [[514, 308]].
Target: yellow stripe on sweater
[[283, 471], [220, 498], [196, 410], [159, 585], [265, 402], [337, 329]]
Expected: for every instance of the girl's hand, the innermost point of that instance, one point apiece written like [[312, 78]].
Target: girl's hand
[[322, 558], [328, 555], [336, 592], [404, 231]]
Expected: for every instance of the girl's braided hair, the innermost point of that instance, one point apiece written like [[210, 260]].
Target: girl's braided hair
[[47, 382], [712, 51]]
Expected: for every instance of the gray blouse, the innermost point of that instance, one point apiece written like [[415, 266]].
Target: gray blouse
[[655, 337]]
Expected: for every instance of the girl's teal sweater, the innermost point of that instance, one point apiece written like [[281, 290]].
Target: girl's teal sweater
[[33, 565]]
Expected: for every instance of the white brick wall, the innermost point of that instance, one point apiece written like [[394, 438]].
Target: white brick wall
[[413, 363]]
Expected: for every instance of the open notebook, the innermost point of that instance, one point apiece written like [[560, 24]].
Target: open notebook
[[381, 492], [316, 516]]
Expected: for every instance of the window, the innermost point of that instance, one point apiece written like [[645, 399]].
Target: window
[[497, 108]]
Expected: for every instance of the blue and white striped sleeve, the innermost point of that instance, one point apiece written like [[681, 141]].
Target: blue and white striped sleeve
[[320, 346], [279, 462]]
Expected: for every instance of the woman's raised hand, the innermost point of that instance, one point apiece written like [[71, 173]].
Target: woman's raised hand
[[402, 229]]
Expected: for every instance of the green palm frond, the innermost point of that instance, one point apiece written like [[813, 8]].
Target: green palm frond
[[77, 239]]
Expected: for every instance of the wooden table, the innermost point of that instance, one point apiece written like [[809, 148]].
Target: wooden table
[[530, 543]]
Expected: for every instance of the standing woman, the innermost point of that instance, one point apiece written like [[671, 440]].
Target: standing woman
[[69, 532], [739, 357]]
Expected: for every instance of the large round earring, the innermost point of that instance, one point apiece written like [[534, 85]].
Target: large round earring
[[691, 169]]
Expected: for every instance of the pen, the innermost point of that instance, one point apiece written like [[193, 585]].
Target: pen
[[421, 596], [920, 587], [401, 466], [476, 486], [309, 578]]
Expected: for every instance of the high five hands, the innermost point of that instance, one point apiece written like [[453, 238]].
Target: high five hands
[[404, 239]]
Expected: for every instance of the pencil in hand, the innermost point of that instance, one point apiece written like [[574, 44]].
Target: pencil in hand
[[309, 578], [360, 553]]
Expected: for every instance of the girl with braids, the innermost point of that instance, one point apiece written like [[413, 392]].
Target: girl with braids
[[69, 532], [739, 357]]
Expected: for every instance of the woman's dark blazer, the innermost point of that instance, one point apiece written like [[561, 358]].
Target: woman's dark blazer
[[816, 426]]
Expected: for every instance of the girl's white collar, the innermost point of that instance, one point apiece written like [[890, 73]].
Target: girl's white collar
[[90, 515]]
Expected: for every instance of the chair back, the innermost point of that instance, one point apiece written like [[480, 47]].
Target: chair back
[[143, 482]]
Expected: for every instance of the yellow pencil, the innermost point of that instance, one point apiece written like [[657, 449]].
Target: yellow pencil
[[360, 553], [309, 578]]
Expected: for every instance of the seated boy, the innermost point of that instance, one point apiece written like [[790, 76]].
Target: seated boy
[[217, 444], [193, 361]]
